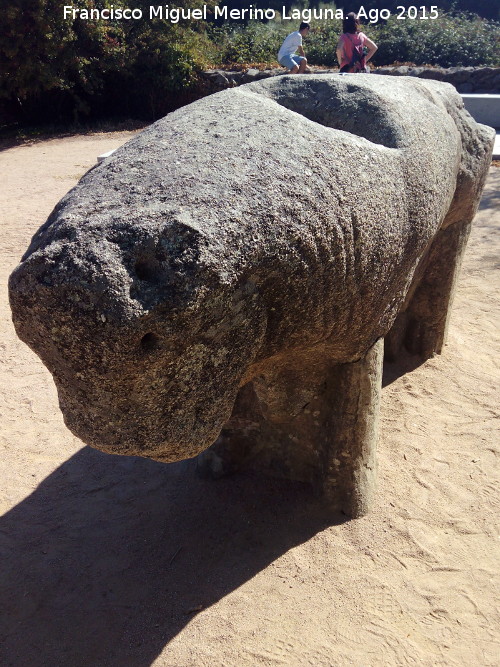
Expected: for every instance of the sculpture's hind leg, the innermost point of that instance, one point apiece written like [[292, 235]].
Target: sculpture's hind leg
[[422, 324], [308, 420]]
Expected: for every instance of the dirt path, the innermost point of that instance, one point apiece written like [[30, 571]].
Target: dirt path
[[125, 562]]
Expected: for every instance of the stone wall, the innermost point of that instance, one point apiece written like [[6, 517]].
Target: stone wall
[[465, 79]]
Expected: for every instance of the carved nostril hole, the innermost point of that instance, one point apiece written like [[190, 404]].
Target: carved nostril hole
[[145, 271], [150, 342]]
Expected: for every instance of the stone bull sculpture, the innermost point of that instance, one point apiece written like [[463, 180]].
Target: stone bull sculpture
[[230, 274]]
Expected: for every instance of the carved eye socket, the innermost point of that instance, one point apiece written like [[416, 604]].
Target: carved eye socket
[[150, 342]]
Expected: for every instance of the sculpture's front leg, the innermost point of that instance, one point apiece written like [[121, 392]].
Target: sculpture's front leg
[[312, 421]]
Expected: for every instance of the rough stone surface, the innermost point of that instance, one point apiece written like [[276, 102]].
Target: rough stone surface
[[236, 265]]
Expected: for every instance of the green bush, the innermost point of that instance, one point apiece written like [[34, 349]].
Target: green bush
[[59, 69], [41, 53], [163, 62], [322, 42], [253, 43], [450, 41]]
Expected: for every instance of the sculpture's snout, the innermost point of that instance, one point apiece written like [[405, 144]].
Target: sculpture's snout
[[129, 371]]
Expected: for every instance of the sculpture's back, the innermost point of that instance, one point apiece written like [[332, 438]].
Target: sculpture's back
[[235, 268]]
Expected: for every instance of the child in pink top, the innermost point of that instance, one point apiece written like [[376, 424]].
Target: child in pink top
[[353, 40]]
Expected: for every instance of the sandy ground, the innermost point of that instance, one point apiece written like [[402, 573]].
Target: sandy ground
[[126, 562]]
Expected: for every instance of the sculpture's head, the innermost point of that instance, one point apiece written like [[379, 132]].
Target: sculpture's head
[[146, 339]]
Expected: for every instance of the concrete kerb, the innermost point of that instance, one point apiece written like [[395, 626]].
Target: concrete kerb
[[484, 108], [496, 148]]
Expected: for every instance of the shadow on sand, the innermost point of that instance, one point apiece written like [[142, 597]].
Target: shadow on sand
[[111, 557]]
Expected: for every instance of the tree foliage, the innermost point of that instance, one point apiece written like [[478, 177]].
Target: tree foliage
[[41, 52], [52, 67]]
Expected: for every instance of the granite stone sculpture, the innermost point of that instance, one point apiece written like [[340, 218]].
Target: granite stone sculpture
[[230, 274]]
